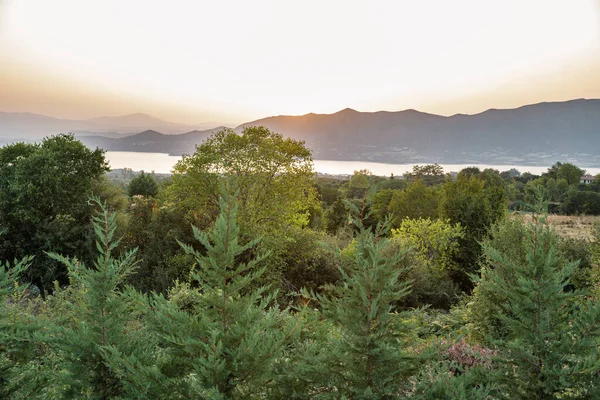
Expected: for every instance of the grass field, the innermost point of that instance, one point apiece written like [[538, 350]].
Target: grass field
[[580, 227], [575, 226]]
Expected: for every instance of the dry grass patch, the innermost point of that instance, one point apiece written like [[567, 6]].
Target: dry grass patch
[[572, 226], [577, 227]]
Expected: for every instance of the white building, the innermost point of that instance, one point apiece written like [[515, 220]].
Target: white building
[[587, 179]]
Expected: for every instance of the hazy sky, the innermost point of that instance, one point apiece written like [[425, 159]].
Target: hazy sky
[[233, 61]]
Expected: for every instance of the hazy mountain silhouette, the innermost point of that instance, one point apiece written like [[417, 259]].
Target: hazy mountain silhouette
[[152, 141], [533, 134], [136, 121], [28, 125], [35, 126]]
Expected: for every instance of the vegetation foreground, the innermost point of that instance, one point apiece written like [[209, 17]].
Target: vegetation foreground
[[245, 276]]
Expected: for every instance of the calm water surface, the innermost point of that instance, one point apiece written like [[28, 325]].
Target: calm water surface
[[163, 163]]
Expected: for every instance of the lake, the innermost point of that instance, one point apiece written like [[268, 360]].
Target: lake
[[163, 163]]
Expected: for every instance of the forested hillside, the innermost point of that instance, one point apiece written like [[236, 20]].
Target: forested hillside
[[244, 275]]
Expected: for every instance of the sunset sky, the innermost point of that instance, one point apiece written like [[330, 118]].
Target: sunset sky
[[234, 61]]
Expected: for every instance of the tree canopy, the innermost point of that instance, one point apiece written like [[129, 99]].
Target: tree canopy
[[143, 185], [43, 201], [273, 175]]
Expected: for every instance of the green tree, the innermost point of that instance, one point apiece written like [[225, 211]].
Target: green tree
[[274, 177], [551, 338], [416, 201], [220, 336], [97, 317], [581, 202], [510, 174], [16, 332], [43, 203], [143, 185], [359, 184], [435, 242], [336, 217], [507, 236], [470, 171], [367, 356], [556, 189], [430, 174], [476, 204], [155, 230], [571, 173], [381, 203], [432, 256]]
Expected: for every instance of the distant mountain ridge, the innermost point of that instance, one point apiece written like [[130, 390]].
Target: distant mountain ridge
[[35, 126], [152, 141], [536, 134]]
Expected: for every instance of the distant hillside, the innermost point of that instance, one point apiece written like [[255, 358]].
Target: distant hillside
[[536, 134], [151, 141], [28, 125], [35, 126]]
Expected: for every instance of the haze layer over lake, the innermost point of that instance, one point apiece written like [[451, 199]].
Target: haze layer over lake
[[163, 163]]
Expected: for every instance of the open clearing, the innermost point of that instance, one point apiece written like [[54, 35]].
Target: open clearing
[[575, 226], [580, 227]]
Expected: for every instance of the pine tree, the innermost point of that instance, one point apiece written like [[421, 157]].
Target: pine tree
[[552, 335], [15, 330], [366, 355], [96, 317], [222, 335]]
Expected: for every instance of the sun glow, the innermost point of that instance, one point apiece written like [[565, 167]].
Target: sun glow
[[241, 59]]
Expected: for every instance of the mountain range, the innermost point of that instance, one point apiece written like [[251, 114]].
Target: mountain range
[[537, 134], [34, 126]]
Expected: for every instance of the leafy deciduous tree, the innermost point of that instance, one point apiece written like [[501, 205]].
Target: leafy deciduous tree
[[43, 203], [143, 185], [274, 177]]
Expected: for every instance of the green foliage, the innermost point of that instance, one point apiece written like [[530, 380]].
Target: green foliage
[[221, 338], [15, 331], [417, 201], [430, 174], [476, 203], [567, 171], [556, 188], [508, 236], [96, 317], [550, 341], [435, 242], [581, 203], [580, 250], [43, 192], [154, 230], [434, 246], [459, 371], [328, 194], [274, 177], [306, 261], [359, 184], [143, 185], [336, 217], [470, 171], [367, 355], [387, 317]]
